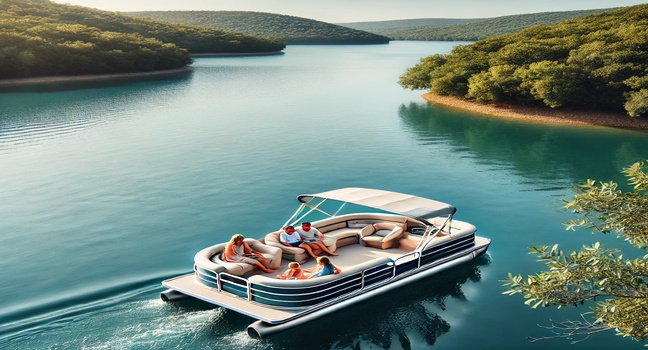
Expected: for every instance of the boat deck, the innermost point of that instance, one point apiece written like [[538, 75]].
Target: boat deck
[[349, 255], [188, 285]]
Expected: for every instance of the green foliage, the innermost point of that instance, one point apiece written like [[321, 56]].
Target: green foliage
[[551, 82], [41, 38], [637, 103], [494, 84], [614, 210], [418, 77], [595, 272], [599, 61], [454, 29], [291, 29]]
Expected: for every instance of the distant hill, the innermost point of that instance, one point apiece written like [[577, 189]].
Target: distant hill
[[389, 28], [291, 29], [598, 62], [447, 29], [42, 38]]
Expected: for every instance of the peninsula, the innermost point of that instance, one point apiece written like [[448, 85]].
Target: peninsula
[[588, 70]]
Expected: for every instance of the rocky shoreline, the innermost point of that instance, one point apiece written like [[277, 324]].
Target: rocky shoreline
[[543, 115]]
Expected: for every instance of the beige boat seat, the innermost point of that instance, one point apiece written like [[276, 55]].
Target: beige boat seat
[[382, 235], [295, 253], [210, 258]]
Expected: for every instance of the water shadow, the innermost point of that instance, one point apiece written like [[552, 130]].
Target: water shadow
[[537, 151], [389, 320], [94, 82]]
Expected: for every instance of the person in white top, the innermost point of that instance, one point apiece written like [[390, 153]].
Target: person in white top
[[312, 237], [290, 238]]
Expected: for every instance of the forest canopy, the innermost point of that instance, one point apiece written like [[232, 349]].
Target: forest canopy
[[42, 38], [462, 29], [598, 61], [291, 29]]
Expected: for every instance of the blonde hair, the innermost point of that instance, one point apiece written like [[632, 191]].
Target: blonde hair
[[293, 265], [236, 237]]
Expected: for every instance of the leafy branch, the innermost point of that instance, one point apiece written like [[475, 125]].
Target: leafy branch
[[594, 271]]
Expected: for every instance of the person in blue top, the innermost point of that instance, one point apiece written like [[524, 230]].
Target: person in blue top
[[324, 267]]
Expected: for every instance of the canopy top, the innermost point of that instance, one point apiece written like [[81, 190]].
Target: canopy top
[[393, 202]]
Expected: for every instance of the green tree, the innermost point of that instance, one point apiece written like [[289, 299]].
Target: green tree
[[595, 62], [619, 283], [497, 84], [553, 83], [42, 38], [418, 77], [637, 103]]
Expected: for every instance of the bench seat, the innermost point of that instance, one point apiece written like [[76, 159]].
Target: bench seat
[[210, 259]]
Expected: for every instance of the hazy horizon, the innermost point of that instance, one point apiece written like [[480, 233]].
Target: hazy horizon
[[338, 11]]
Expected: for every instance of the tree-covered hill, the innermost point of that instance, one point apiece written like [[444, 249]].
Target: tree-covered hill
[[291, 29], [396, 29], [598, 61], [42, 38], [448, 29]]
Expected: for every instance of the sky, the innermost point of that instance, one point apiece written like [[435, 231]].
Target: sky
[[341, 11]]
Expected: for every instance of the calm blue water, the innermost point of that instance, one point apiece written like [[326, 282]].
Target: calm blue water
[[106, 191]]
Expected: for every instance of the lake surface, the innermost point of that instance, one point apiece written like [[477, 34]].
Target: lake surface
[[106, 191]]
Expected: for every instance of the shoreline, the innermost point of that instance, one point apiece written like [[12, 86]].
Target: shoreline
[[543, 115], [238, 54], [62, 79]]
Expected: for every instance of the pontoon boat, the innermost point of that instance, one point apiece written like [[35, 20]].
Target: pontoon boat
[[384, 240]]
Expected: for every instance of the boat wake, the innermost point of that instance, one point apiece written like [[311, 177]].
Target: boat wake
[[128, 316]]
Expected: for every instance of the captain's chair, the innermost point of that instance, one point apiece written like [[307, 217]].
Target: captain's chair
[[382, 235]]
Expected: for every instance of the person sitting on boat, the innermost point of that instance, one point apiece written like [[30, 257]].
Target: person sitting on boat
[[324, 267], [289, 237], [239, 251], [313, 237], [294, 272]]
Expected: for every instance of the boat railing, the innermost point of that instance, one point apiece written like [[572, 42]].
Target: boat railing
[[407, 257], [278, 293], [309, 293], [430, 233]]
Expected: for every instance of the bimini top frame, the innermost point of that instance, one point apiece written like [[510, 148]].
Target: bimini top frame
[[419, 208]]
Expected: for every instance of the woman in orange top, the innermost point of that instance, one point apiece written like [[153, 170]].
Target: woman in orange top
[[239, 251]]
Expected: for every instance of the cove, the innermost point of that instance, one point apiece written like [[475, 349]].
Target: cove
[[108, 189]]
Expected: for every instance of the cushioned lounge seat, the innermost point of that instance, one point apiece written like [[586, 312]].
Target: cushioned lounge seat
[[210, 258], [296, 253], [382, 235]]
